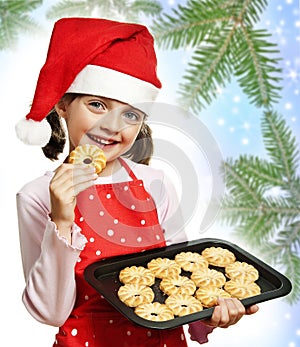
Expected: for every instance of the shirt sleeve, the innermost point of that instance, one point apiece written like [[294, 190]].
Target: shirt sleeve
[[48, 262], [199, 331]]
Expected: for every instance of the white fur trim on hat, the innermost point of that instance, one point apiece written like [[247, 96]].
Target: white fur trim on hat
[[101, 81], [33, 133]]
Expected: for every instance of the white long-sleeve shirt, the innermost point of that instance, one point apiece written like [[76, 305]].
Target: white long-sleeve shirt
[[49, 260]]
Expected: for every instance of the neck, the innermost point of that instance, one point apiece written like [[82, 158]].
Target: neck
[[111, 167]]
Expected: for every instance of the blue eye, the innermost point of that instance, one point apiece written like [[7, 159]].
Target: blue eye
[[97, 104], [132, 116]]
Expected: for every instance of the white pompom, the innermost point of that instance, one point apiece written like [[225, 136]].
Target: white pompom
[[33, 133]]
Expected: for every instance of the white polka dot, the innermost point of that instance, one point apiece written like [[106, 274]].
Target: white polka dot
[[101, 213], [86, 297], [86, 344], [91, 197], [143, 222], [165, 345], [123, 240], [182, 337], [149, 333], [111, 321], [157, 237], [81, 219], [132, 207], [126, 188], [110, 232], [139, 239], [108, 196], [128, 332], [92, 239], [116, 221], [74, 332], [98, 252], [78, 260], [56, 342]]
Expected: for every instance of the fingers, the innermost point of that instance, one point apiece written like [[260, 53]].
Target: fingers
[[72, 179], [67, 182], [252, 309], [228, 312]]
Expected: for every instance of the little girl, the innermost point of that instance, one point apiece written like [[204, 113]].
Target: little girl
[[95, 73]]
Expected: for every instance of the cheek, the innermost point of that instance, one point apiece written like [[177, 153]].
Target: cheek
[[78, 127], [130, 134]]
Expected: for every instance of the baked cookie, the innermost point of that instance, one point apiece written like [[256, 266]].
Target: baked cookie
[[241, 271], [218, 256], [191, 261], [89, 155], [183, 304], [154, 311], [164, 267], [208, 277], [241, 290], [208, 296], [133, 294], [138, 275], [177, 285]]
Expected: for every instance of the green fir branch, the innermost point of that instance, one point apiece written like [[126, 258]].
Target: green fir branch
[[209, 69], [189, 26], [15, 19], [265, 174], [262, 201], [112, 9], [250, 56], [148, 8], [281, 146], [292, 265], [68, 8]]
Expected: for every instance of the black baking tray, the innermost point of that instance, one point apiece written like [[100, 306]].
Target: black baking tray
[[104, 277]]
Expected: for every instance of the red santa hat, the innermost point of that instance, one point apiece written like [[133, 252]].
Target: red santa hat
[[92, 56]]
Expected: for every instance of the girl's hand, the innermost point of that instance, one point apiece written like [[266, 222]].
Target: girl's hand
[[68, 181], [229, 312]]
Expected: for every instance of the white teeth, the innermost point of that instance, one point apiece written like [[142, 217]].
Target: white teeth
[[105, 142], [100, 141]]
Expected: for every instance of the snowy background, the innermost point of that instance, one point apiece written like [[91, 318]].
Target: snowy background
[[234, 123]]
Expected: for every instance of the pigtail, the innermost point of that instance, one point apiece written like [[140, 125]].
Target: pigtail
[[57, 142], [142, 149]]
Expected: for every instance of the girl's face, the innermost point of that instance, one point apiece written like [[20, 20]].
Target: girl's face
[[107, 123]]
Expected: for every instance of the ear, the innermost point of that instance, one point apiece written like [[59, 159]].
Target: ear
[[61, 108]]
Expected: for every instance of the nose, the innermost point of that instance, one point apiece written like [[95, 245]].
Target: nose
[[111, 122]]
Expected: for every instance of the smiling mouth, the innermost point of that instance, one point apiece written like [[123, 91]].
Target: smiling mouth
[[101, 141]]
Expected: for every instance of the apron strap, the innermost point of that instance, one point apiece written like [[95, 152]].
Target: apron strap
[[128, 169]]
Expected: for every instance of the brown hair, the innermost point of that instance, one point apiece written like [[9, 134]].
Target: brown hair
[[140, 152]]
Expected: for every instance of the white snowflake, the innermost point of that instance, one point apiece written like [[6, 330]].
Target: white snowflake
[[288, 106], [245, 141]]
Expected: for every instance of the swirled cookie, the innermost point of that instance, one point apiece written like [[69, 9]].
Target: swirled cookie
[[137, 274], [208, 296], [164, 267], [191, 261], [218, 256], [241, 290], [154, 311], [183, 304], [208, 277], [177, 285], [133, 294], [242, 271], [89, 155]]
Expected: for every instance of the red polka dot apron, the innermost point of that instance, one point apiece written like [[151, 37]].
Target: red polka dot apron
[[117, 219]]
